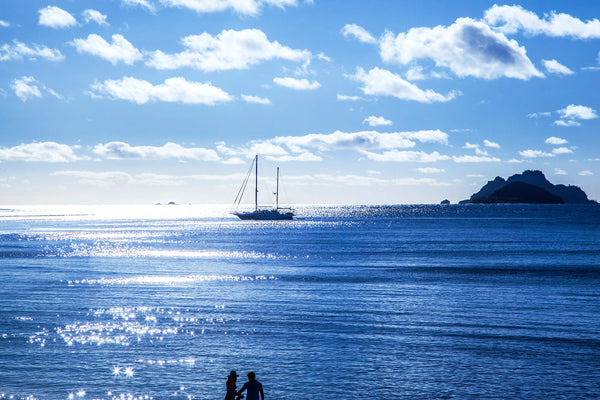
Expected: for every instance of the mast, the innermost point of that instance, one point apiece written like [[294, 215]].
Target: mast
[[256, 183], [277, 192]]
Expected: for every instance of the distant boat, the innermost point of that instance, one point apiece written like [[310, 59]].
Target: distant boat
[[261, 214]]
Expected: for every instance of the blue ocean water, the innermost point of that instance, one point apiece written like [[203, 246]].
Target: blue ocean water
[[406, 302]]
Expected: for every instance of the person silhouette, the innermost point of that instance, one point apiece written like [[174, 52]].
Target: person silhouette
[[231, 386], [254, 387]]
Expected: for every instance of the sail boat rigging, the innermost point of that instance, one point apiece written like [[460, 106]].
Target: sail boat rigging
[[261, 214]]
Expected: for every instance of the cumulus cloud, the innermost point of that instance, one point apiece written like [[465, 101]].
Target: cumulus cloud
[[40, 152], [94, 16], [585, 173], [512, 19], [359, 33], [377, 121], [27, 87], [120, 50], [18, 51], [55, 17], [467, 48], [364, 140], [492, 145], [562, 150], [381, 82], [554, 67], [297, 84], [558, 171], [572, 114], [4, 24], [125, 151], [228, 50], [303, 148], [174, 90], [255, 99], [535, 154], [555, 141], [246, 7]]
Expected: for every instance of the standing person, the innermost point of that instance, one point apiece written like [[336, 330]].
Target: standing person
[[254, 388], [231, 386]]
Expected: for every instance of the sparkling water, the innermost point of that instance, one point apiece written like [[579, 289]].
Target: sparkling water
[[407, 302]]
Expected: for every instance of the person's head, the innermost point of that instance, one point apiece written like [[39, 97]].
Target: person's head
[[233, 375], [251, 375]]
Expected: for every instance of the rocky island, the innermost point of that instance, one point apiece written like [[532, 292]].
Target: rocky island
[[530, 187]]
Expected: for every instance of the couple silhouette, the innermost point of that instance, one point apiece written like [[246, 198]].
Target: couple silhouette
[[254, 388]]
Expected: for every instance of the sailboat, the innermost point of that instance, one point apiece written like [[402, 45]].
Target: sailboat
[[261, 214]]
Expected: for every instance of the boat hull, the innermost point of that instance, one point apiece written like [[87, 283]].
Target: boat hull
[[265, 215]]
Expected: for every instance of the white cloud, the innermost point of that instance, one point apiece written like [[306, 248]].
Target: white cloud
[[539, 114], [243, 7], [177, 90], [475, 147], [377, 121], [343, 97], [27, 87], [302, 148], [431, 170], [554, 67], [585, 173], [18, 51], [492, 145], [358, 32], [324, 57], [555, 141], [124, 151], [475, 159], [511, 19], [255, 99], [55, 17], [228, 50], [558, 171], [145, 4], [40, 152], [562, 150], [119, 50], [360, 140], [4, 24], [570, 122], [535, 154], [467, 48], [94, 16], [381, 82], [297, 84], [577, 112], [406, 156], [572, 114]]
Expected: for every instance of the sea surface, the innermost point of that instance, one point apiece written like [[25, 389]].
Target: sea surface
[[353, 302]]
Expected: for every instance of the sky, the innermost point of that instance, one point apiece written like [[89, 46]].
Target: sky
[[357, 102]]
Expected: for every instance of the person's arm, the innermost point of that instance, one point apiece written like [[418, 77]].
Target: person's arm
[[262, 394], [243, 388]]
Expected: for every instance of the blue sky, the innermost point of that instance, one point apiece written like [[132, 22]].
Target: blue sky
[[379, 102]]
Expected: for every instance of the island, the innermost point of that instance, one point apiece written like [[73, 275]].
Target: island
[[530, 187]]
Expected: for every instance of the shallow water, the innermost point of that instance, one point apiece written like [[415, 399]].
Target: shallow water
[[411, 302]]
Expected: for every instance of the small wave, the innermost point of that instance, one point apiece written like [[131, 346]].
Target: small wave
[[168, 280]]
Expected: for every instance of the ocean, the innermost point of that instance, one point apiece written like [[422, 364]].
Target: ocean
[[350, 302]]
